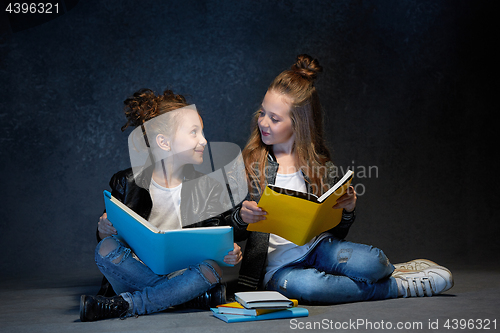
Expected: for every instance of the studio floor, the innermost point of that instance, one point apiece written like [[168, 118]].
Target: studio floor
[[471, 305]]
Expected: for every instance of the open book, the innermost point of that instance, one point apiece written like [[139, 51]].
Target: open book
[[298, 217], [167, 251]]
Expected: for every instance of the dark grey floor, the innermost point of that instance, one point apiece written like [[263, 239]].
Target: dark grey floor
[[35, 306]]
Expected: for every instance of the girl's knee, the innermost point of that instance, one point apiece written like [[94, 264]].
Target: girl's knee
[[380, 259], [377, 265], [108, 245], [211, 271]]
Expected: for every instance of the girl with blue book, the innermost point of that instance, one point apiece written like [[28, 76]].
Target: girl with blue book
[[167, 191]]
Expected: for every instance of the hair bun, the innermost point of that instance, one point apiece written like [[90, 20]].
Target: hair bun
[[307, 67], [145, 104], [140, 107], [169, 96]]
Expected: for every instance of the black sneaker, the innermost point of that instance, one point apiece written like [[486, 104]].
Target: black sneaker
[[99, 307], [209, 299]]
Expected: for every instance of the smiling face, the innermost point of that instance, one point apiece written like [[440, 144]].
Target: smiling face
[[185, 143], [189, 142], [274, 120]]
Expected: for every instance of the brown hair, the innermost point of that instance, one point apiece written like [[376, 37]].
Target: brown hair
[[145, 104], [309, 146]]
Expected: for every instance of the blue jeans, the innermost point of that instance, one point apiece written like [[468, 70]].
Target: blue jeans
[[337, 271], [146, 291]]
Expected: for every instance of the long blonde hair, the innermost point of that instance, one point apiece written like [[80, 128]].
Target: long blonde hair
[[309, 146]]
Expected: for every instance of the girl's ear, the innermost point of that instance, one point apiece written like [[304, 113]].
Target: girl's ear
[[163, 142]]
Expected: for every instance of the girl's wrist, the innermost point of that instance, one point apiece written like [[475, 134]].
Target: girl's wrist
[[237, 217], [348, 215]]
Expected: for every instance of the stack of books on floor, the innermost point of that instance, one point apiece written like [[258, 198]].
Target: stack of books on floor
[[259, 305]]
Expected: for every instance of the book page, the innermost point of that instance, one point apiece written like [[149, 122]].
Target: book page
[[341, 182], [136, 216]]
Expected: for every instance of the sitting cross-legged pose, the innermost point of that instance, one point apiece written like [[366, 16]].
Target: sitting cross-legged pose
[[287, 149], [170, 194]]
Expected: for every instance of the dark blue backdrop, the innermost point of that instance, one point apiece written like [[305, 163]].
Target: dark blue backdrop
[[407, 88]]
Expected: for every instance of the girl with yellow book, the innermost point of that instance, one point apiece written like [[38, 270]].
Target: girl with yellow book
[[287, 149]]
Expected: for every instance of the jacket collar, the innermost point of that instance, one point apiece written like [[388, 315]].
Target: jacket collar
[[271, 157]]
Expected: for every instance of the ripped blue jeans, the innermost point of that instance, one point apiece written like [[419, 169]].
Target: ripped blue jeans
[[146, 291], [337, 271]]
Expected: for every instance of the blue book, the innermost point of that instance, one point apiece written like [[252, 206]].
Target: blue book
[[287, 313], [165, 252]]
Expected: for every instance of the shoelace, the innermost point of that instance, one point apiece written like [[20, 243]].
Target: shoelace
[[111, 307]]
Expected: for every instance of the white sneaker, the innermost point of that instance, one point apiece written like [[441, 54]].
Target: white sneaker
[[427, 282], [415, 265]]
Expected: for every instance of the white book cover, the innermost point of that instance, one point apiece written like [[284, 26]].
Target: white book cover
[[263, 299]]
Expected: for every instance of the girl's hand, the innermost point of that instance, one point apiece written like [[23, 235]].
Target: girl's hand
[[251, 213], [347, 201], [105, 227], [235, 256]]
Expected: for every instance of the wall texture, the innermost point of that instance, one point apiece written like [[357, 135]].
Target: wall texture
[[407, 89]]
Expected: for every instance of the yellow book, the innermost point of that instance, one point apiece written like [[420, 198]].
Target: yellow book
[[298, 217], [236, 308]]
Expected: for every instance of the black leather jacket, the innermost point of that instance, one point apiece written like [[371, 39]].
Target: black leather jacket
[[200, 196]]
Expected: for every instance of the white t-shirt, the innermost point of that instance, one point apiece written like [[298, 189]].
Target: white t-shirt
[[282, 251], [166, 211]]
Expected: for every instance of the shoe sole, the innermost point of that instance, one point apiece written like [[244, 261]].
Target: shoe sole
[[82, 308]]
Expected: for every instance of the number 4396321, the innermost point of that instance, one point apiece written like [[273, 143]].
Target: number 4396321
[[32, 8]]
